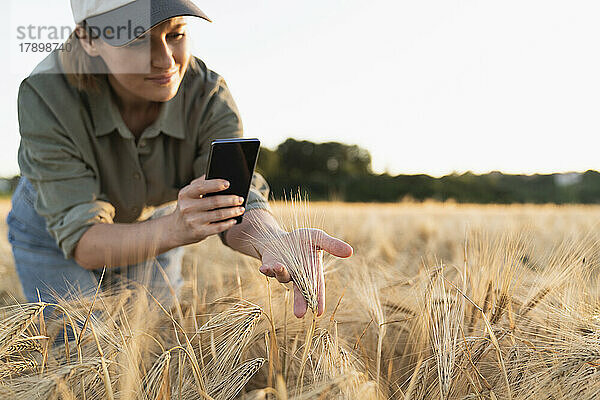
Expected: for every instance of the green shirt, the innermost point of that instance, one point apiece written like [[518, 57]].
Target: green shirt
[[87, 166]]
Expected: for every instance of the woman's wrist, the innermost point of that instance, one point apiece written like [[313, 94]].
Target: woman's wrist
[[261, 231], [169, 238]]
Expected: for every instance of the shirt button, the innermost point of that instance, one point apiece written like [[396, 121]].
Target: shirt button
[[137, 176], [142, 143]]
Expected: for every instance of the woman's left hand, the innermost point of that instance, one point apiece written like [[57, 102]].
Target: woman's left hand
[[315, 242]]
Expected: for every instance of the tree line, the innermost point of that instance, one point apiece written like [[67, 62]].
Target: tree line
[[342, 172], [337, 171]]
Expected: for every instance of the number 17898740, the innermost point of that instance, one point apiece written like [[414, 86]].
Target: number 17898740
[[44, 47]]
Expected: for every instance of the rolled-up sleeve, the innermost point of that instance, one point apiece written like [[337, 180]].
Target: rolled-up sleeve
[[222, 121], [68, 192], [259, 193]]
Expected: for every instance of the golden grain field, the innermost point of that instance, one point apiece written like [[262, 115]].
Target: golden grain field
[[439, 301]]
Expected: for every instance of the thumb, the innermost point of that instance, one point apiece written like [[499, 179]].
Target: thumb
[[197, 180], [333, 246]]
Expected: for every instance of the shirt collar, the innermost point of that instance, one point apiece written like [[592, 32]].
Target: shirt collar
[[107, 118]]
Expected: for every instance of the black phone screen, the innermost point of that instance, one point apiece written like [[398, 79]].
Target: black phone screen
[[233, 160]]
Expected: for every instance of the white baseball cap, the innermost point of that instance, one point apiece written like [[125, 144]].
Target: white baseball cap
[[119, 22]]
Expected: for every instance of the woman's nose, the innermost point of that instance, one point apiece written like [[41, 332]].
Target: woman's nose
[[162, 56]]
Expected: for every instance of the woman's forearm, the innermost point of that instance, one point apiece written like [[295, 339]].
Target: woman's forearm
[[195, 218], [114, 245], [244, 237]]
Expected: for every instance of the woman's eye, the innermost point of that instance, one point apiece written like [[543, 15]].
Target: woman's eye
[[177, 35]]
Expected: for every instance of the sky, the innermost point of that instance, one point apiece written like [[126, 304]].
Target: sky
[[427, 86]]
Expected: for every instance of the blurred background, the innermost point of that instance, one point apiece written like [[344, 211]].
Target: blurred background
[[475, 101]]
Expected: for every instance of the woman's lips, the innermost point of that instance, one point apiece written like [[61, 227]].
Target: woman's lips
[[163, 79]]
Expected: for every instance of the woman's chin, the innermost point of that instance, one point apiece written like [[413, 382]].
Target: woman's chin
[[162, 93]]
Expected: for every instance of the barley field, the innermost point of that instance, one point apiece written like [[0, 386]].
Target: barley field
[[439, 301]]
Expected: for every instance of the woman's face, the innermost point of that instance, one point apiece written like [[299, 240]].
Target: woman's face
[[150, 68]]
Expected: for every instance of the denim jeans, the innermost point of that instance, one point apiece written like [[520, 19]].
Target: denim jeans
[[42, 267]]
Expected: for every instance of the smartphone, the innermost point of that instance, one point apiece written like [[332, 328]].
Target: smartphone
[[233, 160]]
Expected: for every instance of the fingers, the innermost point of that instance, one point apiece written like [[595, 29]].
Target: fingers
[[323, 242], [300, 305], [202, 178], [218, 227], [207, 218], [200, 187], [281, 273], [222, 214], [332, 245], [215, 202], [191, 200], [199, 212], [267, 271], [276, 270]]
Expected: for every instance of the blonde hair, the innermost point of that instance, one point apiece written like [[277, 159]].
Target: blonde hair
[[82, 70]]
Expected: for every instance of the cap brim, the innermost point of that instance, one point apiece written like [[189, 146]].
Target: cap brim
[[123, 25]]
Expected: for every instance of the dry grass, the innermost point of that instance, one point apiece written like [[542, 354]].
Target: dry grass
[[439, 302]]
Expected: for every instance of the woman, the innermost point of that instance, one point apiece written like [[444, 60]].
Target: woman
[[115, 133]]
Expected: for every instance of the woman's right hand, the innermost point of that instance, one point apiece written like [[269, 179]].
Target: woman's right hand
[[197, 217]]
